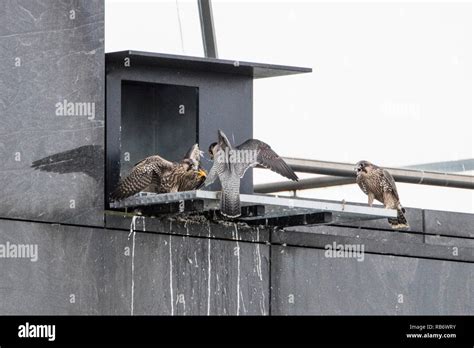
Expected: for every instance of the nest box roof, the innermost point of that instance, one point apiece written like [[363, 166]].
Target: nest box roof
[[254, 70]]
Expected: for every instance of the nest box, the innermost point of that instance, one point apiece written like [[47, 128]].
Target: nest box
[[162, 104]]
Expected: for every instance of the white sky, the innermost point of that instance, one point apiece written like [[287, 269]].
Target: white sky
[[391, 81]]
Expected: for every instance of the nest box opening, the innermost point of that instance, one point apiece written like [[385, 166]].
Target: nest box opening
[[154, 117]]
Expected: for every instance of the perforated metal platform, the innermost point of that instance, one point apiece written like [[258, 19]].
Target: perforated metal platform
[[261, 209]]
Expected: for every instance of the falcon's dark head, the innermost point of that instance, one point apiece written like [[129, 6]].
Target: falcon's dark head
[[211, 150], [188, 164], [363, 167]]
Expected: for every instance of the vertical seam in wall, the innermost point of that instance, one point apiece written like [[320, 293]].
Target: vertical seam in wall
[[423, 225], [104, 188]]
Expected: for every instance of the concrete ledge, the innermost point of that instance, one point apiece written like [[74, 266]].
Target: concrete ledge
[[378, 242], [414, 217]]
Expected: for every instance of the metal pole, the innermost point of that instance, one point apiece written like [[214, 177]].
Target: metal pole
[[346, 170], [207, 28], [302, 184]]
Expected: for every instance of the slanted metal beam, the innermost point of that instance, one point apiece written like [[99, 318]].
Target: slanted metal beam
[[456, 166], [303, 184], [346, 170], [207, 28]]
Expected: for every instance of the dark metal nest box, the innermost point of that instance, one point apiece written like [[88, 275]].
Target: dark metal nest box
[[162, 104]]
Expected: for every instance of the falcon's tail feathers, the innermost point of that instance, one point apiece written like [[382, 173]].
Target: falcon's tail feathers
[[400, 222], [126, 188], [121, 192], [230, 204]]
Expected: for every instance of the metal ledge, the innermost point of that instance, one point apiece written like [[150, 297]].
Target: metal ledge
[[274, 207]]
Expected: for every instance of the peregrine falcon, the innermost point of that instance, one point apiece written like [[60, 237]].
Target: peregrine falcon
[[156, 174], [378, 183], [230, 165]]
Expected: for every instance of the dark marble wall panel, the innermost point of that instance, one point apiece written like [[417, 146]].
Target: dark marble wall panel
[[449, 223], [68, 276], [51, 52], [184, 275], [304, 282], [98, 271]]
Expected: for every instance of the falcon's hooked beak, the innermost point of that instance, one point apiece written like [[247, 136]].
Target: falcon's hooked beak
[[359, 168], [201, 173]]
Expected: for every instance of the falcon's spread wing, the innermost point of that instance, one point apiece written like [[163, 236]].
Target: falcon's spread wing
[[145, 173], [223, 141], [265, 156]]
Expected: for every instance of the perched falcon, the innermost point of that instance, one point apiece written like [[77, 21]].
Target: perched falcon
[[230, 165], [156, 174], [378, 183]]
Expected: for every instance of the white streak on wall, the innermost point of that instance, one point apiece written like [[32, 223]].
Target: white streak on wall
[[209, 273], [243, 303], [262, 304], [133, 272], [132, 230], [259, 273], [259, 261], [238, 269], [133, 226]]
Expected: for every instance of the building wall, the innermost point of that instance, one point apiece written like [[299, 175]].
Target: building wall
[[85, 270], [173, 266], [51, 51]]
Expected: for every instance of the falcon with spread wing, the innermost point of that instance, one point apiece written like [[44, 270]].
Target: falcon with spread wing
[[230, 165], [156, 174], [377, 183]]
